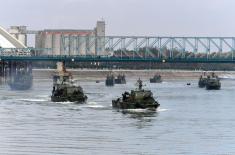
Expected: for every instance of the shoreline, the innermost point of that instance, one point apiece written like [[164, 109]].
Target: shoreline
[[144, 74]]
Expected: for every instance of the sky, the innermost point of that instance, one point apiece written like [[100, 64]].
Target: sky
[[125, 17]]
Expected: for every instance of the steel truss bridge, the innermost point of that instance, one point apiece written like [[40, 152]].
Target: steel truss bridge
[[132, 49]]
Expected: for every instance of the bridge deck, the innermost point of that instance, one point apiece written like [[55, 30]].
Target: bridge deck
[[115, 59]]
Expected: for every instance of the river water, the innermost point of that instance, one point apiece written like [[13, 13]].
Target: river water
[[190, 121]]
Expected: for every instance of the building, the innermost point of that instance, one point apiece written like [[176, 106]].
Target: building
[[78, 42], [20, 33]]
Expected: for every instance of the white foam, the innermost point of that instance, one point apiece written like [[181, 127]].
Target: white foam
[[145, 110], [92, 103], [43, 96], [67, 102], [161, 110], [33, 100], [136, 110], [95, 106]]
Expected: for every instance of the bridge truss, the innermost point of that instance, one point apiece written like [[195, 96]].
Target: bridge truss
[[132, 48], [170, 47]]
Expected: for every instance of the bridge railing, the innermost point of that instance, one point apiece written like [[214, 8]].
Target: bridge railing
[[22, 51]]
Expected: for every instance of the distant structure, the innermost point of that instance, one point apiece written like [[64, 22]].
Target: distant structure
[[52, 38], [9, 41], [20, 33]]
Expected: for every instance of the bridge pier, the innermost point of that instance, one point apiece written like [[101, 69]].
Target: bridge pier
[[3, 72], [20, 75]]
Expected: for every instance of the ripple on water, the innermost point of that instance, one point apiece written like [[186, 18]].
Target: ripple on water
[[189, 121]]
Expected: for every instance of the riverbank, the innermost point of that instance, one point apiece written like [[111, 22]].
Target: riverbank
[[144, 74]]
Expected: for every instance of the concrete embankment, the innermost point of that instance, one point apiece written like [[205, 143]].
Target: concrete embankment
[[144, 74]]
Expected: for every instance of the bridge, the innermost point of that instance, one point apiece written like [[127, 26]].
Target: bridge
[[123, 49], [131, 49]]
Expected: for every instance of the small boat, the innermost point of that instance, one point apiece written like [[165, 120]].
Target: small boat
[[156, 79]]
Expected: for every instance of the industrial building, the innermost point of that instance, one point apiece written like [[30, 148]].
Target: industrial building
[[53, 39], [20, 33]]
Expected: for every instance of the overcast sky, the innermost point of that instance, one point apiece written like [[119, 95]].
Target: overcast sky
[[125, 17]]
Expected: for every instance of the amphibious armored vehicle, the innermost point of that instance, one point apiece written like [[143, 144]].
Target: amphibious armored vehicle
[[121, 79], [65, 90], [202, 81], [110, 80], [156, 79], [136, 99], [213, 82]]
